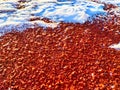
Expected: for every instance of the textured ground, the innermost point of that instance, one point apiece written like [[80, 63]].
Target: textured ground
[[69, 57], [17, 14]]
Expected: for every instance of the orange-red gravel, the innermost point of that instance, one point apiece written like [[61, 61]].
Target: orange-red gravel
[[69, 57]]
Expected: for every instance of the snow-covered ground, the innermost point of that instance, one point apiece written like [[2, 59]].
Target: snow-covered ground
[[115, 2], [17, 14], [116, 46]]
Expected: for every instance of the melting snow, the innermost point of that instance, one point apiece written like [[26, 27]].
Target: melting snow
[[116, 10], [115, 2], [115, 46], [16, 15]]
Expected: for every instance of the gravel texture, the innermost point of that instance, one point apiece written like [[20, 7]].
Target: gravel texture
[[68, 57]]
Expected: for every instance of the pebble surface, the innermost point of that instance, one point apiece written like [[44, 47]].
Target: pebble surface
[[68, 57]]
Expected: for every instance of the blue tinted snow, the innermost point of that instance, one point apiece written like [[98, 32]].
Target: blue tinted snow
[[73, 11]]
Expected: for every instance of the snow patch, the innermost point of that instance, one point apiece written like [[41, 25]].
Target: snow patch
[[115, 46], [14, 14], [115, 2]]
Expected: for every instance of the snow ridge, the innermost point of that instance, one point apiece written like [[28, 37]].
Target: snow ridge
[[15, 13]]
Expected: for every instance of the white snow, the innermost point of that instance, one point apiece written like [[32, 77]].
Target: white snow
[[115, 2], [47, 1], [115, 46], [16, 15], [116, 10]]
